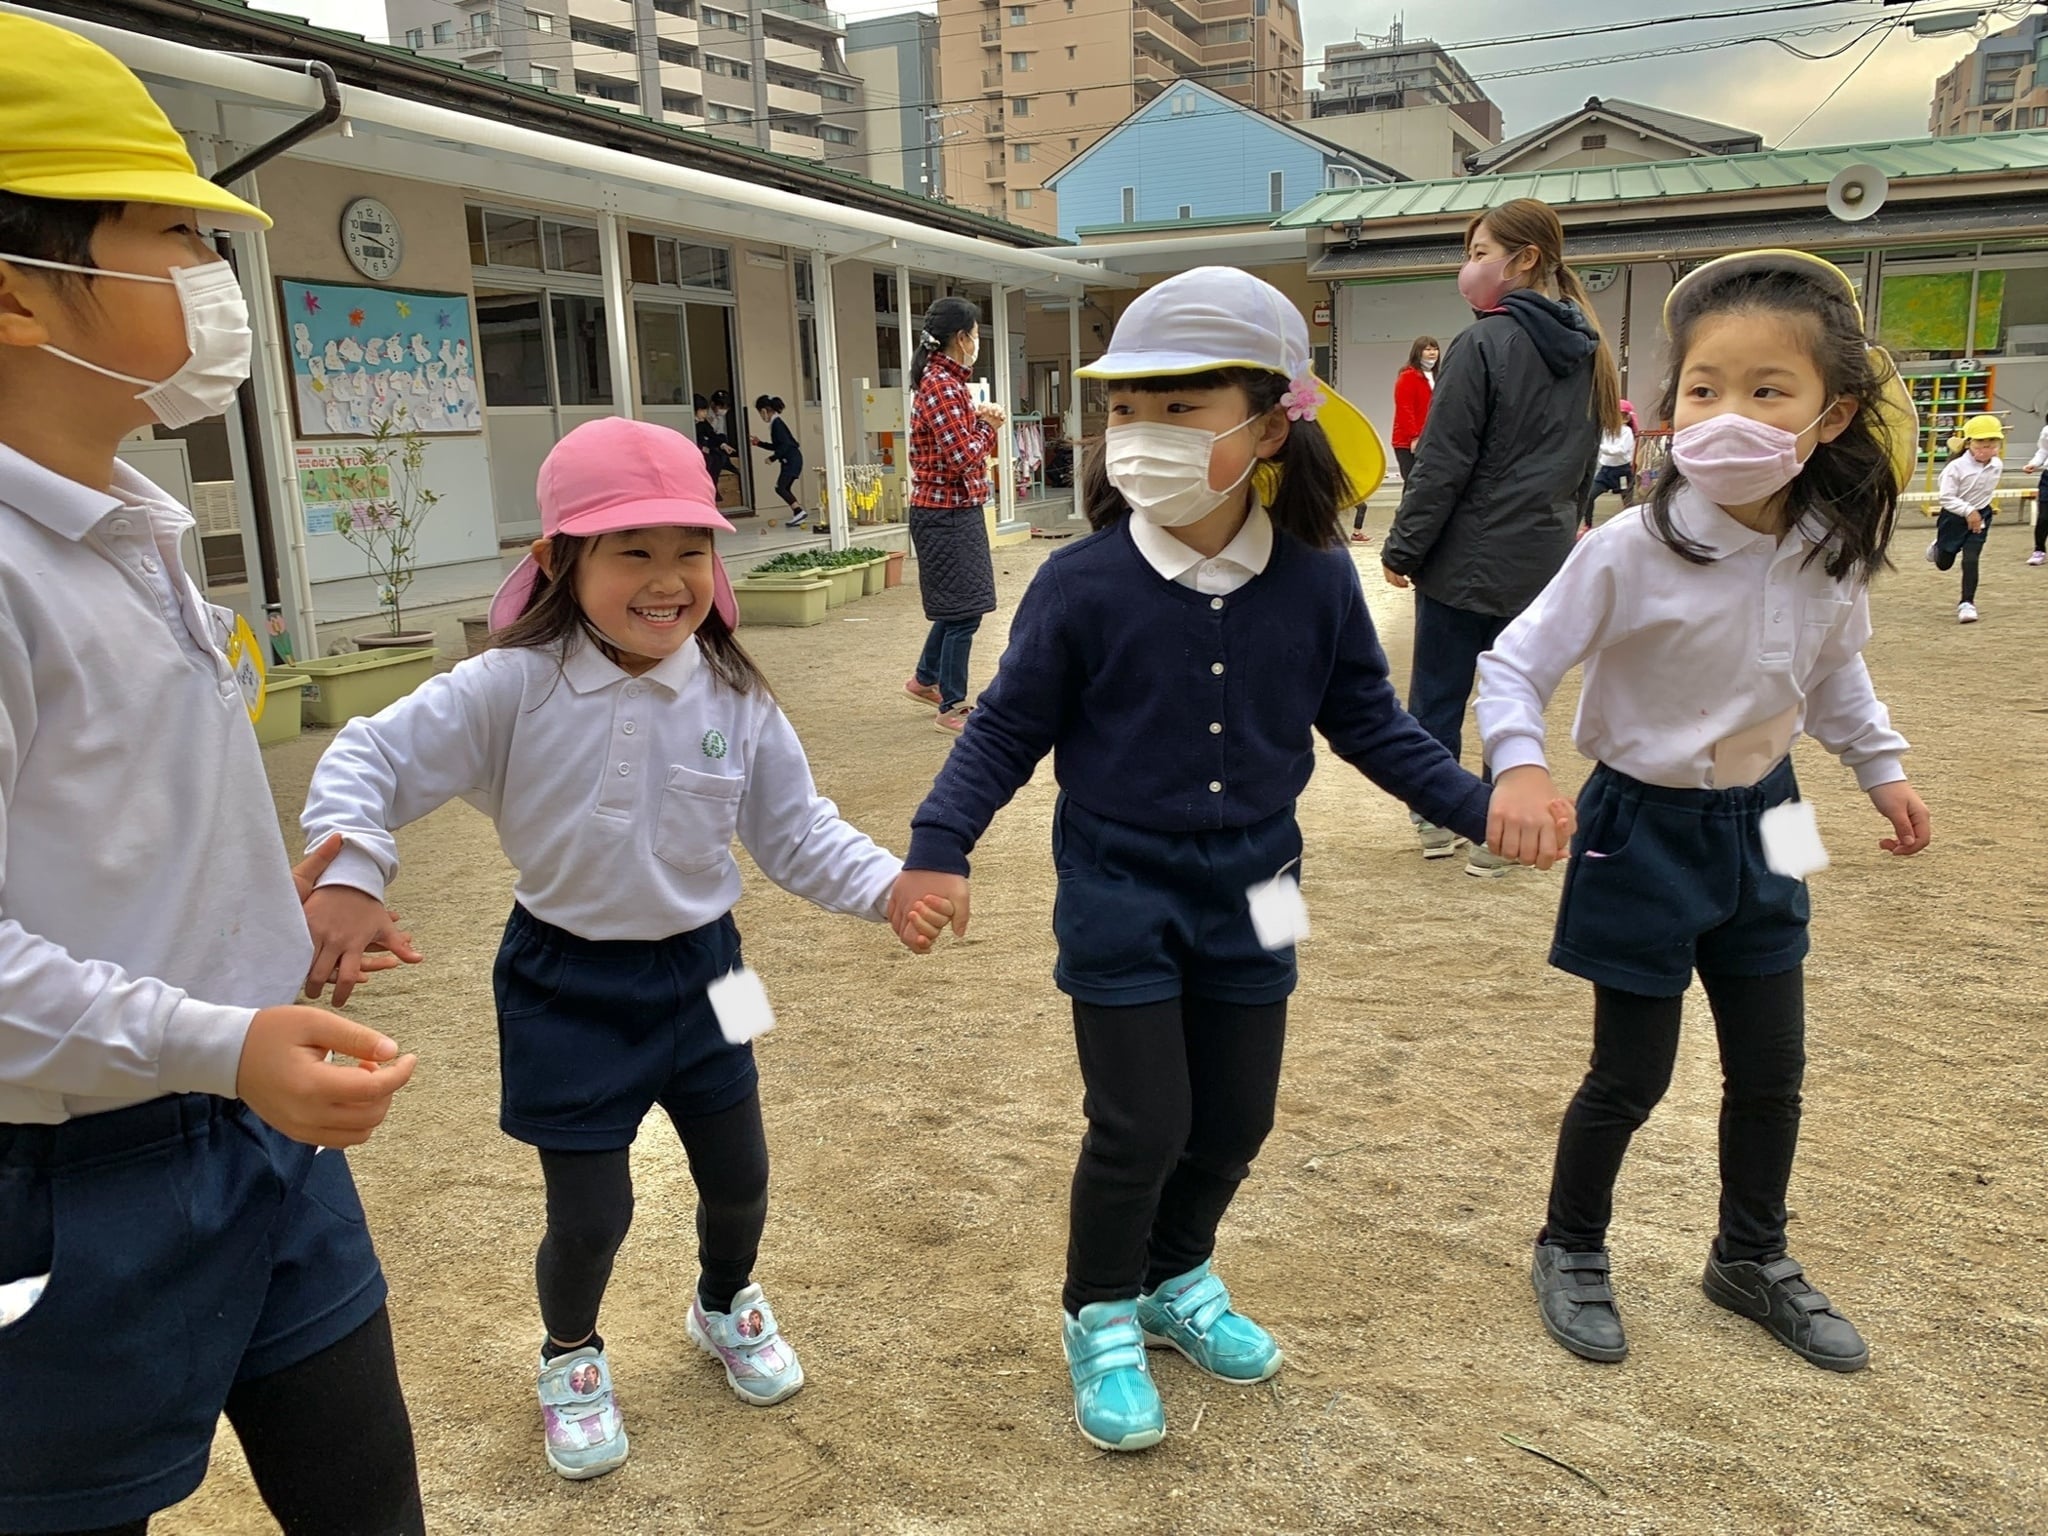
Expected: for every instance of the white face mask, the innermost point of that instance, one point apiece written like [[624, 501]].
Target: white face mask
[[1163, 471], [216, 330]]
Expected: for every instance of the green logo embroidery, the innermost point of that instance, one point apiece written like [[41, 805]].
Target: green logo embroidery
[[714, 744]]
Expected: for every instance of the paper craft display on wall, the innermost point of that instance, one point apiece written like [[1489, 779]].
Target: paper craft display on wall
[[358, 354], [331, 481]]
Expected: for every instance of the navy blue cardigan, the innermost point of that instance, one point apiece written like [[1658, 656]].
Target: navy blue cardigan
[[1169, 709]]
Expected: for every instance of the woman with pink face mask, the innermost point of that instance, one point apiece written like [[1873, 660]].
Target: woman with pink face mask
[[1488, 510], [1716, 622]]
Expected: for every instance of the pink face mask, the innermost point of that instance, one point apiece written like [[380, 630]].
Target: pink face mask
[[1735, 461], [1483, 284]]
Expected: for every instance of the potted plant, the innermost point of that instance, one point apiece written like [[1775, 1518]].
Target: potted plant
[[385, 524]]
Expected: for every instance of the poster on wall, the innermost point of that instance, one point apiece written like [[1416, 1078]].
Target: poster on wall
[[363, 356], [1927, 314], [333, 480]]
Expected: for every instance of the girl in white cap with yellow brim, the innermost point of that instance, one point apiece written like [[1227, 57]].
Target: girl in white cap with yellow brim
[[1716, 622], [170, 1246], [1177, 664]]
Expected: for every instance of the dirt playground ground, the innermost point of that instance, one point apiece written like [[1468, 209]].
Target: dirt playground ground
[[924, 1116]]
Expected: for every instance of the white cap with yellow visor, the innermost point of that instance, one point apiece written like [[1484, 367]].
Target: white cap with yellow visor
[[1220, 317]]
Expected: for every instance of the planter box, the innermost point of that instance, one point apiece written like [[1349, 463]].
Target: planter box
[[476, 633], [409, 640], [874, 577], [892, 565], [338, 688], [281, 701], [797, 601], [846, 585]]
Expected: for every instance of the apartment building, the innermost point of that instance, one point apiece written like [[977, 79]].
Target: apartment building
[[2002, 85], [772, 73], [897, 60], [1050, 77]]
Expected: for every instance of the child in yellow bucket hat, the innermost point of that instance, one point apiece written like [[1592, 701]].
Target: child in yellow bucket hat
[[1963, 521], [171, 1248], [1176, 665]]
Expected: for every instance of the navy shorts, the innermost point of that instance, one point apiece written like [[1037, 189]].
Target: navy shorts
[[189, 1247], [593, 1032], [1144, 916], [1661, 881]]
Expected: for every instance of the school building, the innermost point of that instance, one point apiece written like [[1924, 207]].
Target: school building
[[505, 263]]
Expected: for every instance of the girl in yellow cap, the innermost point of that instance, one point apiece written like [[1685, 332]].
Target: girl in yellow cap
[[1176, 664], [1964, 522], [171, 1248], [1716, 623]]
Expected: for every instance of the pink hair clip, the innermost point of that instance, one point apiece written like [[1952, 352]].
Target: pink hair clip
[[1304, 398]]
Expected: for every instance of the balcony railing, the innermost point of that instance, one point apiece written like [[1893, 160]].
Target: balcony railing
[[806, 10], [991, 79], [991, 35]]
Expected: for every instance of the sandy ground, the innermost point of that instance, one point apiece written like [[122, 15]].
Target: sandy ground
[[924, 1116]]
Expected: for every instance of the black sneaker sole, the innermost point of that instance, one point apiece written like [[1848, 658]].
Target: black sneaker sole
[[1738, 1303]]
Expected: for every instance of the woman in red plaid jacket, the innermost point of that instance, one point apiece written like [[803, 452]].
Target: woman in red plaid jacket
[[951, 442]]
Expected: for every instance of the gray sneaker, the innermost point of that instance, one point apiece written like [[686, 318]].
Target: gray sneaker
[[1437, 842], [1485, 865]]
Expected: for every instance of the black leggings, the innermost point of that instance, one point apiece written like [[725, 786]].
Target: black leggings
[[1761, 1022], [590, 1206], [1179, 1099], [785, 483], [329, 1442], [2041, 517], [1953, 539]]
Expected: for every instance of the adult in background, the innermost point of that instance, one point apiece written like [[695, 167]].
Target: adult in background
[[1413, 387], [1489, 509], [951, 439]]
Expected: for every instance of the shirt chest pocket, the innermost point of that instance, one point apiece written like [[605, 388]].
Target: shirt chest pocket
[[697, 819], [1821, 620]]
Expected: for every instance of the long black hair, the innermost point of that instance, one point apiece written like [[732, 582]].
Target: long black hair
[[942, 322], [552, 618], [1423, 344], [1849, 486], [1313, 488]]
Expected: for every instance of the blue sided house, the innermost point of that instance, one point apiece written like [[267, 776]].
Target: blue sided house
[[1191, 153]]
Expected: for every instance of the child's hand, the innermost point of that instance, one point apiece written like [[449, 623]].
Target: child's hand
[[345, 923], [286, 1078], [923, 902], [392, 947], [1900, 804], [927, 920], [1527, 820], [1976, 522]]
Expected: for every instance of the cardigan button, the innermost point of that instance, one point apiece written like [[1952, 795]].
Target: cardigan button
[[1215, 602], [1215, 727], [1216, 667], [1215, 786]]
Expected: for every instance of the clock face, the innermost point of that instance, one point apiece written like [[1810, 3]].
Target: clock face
[[1598, 279], [371, 239]]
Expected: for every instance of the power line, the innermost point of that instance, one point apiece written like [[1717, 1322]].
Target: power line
[[1883, 36]]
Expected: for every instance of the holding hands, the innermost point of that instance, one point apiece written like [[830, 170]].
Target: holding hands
[[1527, 820], [387, 946], [924, 904]]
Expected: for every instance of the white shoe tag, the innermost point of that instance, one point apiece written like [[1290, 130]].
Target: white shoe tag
[[1791, 839], [742, 1006], [1279, 915], [18, 1296]]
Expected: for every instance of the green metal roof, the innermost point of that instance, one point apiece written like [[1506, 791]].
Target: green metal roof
[[1771, 170]]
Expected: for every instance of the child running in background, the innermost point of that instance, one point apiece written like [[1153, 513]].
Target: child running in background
[[620, 738], [1716, 623], [2038, 465], [171, 1248], [782, 449], [1964, 522], [1616, 467], [1176, 663]]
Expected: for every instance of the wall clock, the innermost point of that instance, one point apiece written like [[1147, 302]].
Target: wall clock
[[371, 239]]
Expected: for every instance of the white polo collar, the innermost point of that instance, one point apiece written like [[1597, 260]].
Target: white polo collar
[[1250, 550]]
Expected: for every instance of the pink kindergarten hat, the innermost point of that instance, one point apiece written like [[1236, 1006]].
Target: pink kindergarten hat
[[613, 474]]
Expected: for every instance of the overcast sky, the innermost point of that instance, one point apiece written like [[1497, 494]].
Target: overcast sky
[[1757, 86]]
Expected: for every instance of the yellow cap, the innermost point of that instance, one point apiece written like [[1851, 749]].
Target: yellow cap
[[1895, 405], [1978, 427], [77, 126]]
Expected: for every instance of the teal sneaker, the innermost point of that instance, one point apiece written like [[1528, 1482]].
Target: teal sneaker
[[581, 1431], [1191, 1313], [1115, 1404]]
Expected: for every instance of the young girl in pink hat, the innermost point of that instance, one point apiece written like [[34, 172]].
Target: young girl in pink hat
[[620, 738]]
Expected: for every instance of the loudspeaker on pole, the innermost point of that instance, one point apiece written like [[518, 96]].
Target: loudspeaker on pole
[[1857, 192]]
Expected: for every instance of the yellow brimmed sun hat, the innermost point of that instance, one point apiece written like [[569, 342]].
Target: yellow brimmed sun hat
[[77, 126], [1895, 405], [1978, 427], [1220, 317]]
